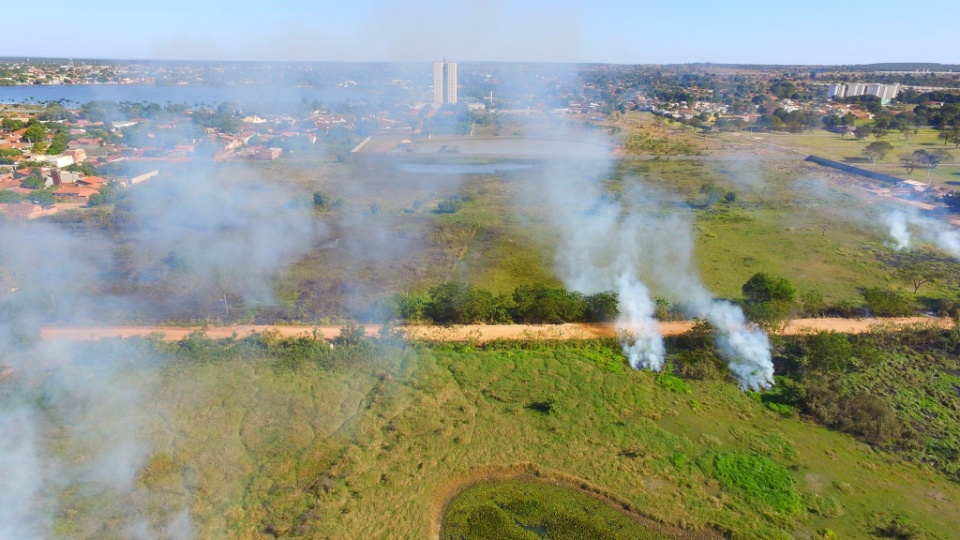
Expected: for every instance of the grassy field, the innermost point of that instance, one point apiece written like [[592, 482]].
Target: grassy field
[[790, 218], [382, 233], [256, 439]]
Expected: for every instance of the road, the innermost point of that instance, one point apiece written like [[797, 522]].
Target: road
[[480, 333]]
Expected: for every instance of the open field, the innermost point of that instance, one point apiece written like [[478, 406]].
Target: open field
[[257, 440]]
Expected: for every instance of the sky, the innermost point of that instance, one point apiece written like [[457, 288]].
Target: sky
[[604, 31]]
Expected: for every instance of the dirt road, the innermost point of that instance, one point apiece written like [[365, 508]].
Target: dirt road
[[482, 333]]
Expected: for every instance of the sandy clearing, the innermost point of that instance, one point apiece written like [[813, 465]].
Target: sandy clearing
[[478, 332]]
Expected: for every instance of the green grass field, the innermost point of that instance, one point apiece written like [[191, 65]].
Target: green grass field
[[265, 439]]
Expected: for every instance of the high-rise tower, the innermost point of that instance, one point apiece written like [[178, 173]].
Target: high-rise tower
[[444, 82]]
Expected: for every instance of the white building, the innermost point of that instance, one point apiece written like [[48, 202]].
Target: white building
[[57, 161], [886, 92], [444, 82]]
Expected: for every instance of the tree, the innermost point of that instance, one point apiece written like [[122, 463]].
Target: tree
[[456, 302], [42, 197], [876, 150], [36, 133], [34, 181], [10, 197], [951, 135], [912, 160], [862, 132], [762, 287], [768, 300], [13, 124], [828, 351], [945, 135], [602, 306], [918, 271], [935, 157]]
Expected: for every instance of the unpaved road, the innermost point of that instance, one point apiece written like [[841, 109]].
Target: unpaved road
[[480, 333]]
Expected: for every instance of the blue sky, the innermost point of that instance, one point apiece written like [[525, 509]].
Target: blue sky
[[638, 32]]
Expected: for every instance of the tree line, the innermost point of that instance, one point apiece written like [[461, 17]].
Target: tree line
[[457, 302]]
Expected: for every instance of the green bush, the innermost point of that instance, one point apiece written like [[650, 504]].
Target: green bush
[[828, 351], [886, 303], [450, 205], [10, 197]]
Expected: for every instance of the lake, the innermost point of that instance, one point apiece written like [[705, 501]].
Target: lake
[[213, 95]]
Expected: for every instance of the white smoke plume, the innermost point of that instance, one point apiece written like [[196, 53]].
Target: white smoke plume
[[903, 225], [622, 244], [75, 417]]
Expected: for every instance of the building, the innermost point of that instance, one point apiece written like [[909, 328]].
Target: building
[[886, 92], [444, 82]]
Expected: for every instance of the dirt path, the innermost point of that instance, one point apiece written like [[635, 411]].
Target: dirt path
[[481, 333]]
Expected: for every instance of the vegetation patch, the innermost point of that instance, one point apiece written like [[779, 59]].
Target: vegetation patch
[[531, 510], [758, 479]]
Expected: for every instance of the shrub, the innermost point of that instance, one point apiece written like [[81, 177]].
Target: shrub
[[901, 528], [886, 303], [828, 351], [10, 197], [450, 205]]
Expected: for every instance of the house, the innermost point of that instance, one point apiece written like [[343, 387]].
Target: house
[[74, 193], [92, 182], [65, 177], [268, 154], [79, 155]]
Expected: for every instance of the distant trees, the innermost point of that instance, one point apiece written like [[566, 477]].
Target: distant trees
[[951, 135], [12, 124], [923, 159]]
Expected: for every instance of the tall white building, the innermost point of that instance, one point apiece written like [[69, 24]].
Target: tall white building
[[444, 82]]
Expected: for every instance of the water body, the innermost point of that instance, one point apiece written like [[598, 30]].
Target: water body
[[211, 95], [463, 168]]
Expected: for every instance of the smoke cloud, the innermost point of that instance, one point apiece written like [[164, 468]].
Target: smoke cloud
[[905, 224], [74, 416], [623, 243]]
